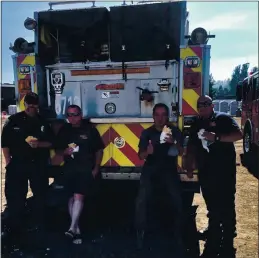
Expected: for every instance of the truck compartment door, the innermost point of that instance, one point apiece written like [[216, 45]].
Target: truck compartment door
[[110, 98]]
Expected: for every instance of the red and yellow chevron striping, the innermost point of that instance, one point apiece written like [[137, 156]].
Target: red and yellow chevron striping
[[191, 94], [25, 79], [121, 143]]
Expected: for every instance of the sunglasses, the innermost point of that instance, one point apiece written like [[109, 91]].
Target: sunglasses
[[204, 104], [73, 114]]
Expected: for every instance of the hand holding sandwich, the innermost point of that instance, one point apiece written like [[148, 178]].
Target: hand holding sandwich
[[68, 151], [32, 141]]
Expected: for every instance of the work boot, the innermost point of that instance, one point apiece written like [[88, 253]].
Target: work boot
[[140, 238]]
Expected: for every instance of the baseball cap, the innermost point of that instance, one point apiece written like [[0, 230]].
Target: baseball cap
[[31, 98]]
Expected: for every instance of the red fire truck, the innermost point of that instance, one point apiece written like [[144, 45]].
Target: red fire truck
[[248, 94]]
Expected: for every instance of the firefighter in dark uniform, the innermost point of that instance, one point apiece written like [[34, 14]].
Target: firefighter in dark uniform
[[160, 168], [217, 175], [81, 169], [25, 160]]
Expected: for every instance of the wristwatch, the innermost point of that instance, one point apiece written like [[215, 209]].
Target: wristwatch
[[217, 138]]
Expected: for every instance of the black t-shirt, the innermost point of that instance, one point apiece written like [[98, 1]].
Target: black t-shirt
[[160, 157], [220, 153], [17, 128], [86, 137]]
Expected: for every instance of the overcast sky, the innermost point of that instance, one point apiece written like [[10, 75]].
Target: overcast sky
[[235, 25]]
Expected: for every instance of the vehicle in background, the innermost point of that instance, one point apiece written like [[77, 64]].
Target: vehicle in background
[[248, 94]]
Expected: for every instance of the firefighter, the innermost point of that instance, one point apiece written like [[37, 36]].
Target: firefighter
[[26, 159], [81, 168], [217, 175], [159, 168]]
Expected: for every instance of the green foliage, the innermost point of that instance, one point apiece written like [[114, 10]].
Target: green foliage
[[212, 90], [240, 72]]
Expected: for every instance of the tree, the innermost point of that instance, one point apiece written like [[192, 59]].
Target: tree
[[220, 93], [240, 72], [226, 91], [212, 90]]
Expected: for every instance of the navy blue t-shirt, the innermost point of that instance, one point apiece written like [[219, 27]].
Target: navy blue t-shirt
[[160, 156], [220, 153], [86, 137], [17, 128]]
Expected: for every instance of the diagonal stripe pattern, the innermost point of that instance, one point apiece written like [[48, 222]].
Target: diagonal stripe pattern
[[127, 154], [25, 60], [190, 96]]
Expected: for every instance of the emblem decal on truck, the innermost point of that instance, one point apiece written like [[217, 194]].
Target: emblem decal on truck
[[110, 108], [119, 142]]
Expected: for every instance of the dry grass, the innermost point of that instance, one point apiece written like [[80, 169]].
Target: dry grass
[[246, 207]]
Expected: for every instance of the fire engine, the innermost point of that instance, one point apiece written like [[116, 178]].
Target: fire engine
[[248, 93], [116, 64]]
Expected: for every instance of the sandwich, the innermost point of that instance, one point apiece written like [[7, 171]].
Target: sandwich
[[165, 132], [30, 139], [72, 145]]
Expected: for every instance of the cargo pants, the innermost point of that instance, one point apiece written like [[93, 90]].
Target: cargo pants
[[169, 181], [18, 173], [219, 195]]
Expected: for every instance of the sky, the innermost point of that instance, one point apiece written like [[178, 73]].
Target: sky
[[235, 25]]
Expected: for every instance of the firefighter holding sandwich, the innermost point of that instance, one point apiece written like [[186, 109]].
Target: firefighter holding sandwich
[[159, 146], [26, 139], [82, 147]]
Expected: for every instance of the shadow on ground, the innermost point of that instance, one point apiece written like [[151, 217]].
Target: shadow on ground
[[251, 162], [108, 230]]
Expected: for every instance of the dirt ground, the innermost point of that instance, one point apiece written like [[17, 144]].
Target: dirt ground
[[246, 207]]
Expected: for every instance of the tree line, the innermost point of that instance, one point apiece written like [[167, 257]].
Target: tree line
[[228, 90]]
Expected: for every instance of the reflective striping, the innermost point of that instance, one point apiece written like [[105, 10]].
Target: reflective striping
[[25, 60], [130, 153], [106, 155], [128, 135], [102, 128], [186, 52], [191, 97], [126, 156], [146, 125], [120, 157]]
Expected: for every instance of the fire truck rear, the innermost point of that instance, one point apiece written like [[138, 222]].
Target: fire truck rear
[[116, 65]]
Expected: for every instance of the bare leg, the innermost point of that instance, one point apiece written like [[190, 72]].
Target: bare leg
[[75, 214], [70, 206]]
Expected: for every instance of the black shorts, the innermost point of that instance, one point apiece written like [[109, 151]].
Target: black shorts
[[79, 180]]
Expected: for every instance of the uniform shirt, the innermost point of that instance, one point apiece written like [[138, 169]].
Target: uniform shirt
[[160, 155], [220, 153], [86, 137], [17, 128]]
